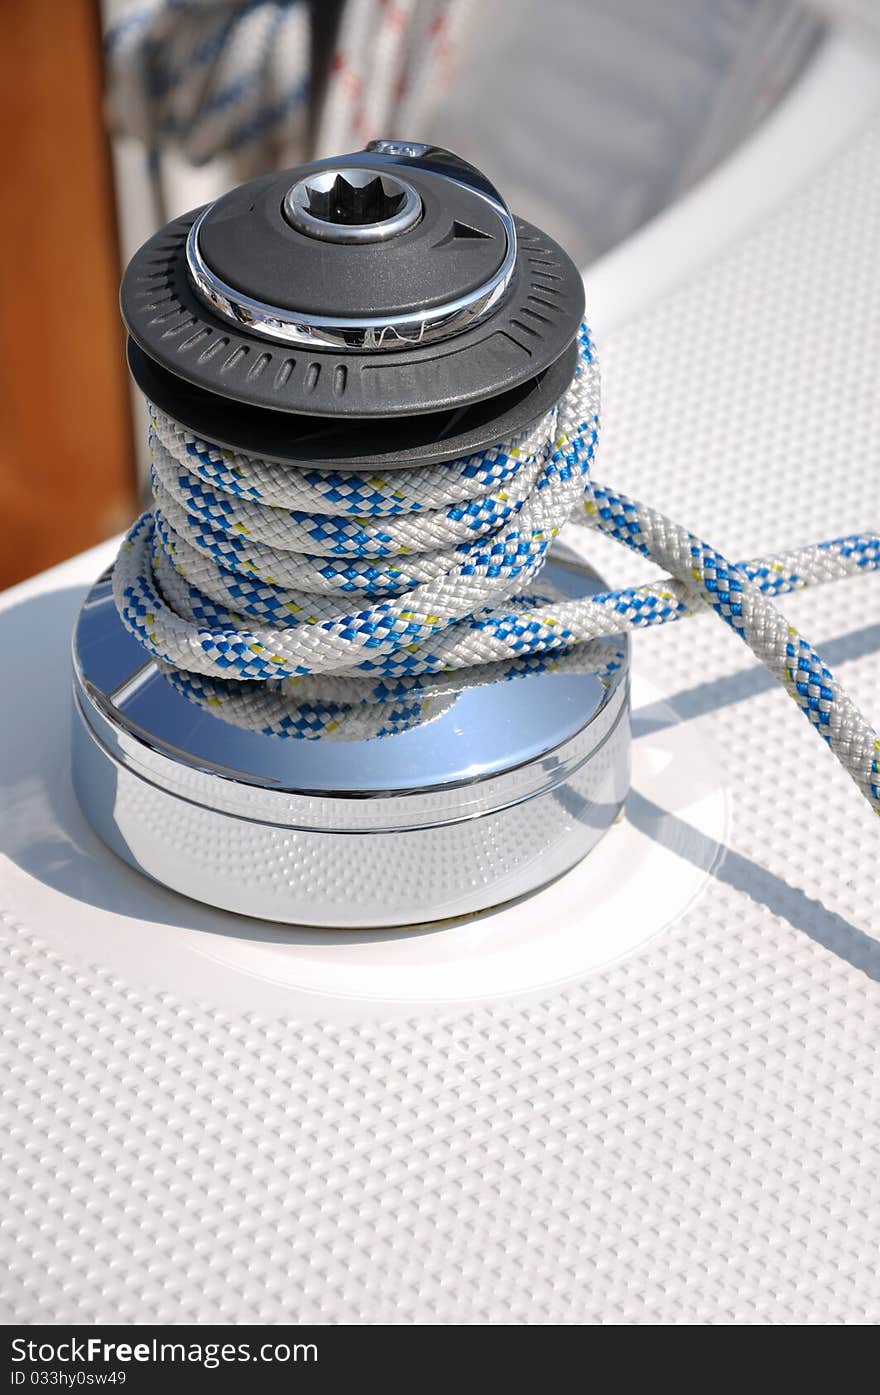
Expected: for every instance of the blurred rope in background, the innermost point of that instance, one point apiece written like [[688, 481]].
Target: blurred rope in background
[[210, 78], [269, 83]]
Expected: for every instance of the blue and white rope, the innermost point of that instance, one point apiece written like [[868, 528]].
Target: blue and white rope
[[249, 577], [210, 77]]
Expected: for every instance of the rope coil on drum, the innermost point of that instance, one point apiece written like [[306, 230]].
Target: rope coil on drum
[[206, 585]]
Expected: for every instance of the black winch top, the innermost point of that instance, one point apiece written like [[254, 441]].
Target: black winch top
[[387, 298]]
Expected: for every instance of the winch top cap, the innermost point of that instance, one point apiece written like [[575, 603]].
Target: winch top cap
[[351, 238], [366, 250], [392, 281]]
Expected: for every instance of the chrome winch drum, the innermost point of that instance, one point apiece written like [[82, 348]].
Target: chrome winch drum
[[379, 310]]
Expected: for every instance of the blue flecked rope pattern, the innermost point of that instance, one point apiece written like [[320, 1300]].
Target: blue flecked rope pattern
[[251, 571]]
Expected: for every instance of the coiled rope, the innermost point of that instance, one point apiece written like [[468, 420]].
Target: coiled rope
[[248, 578]]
